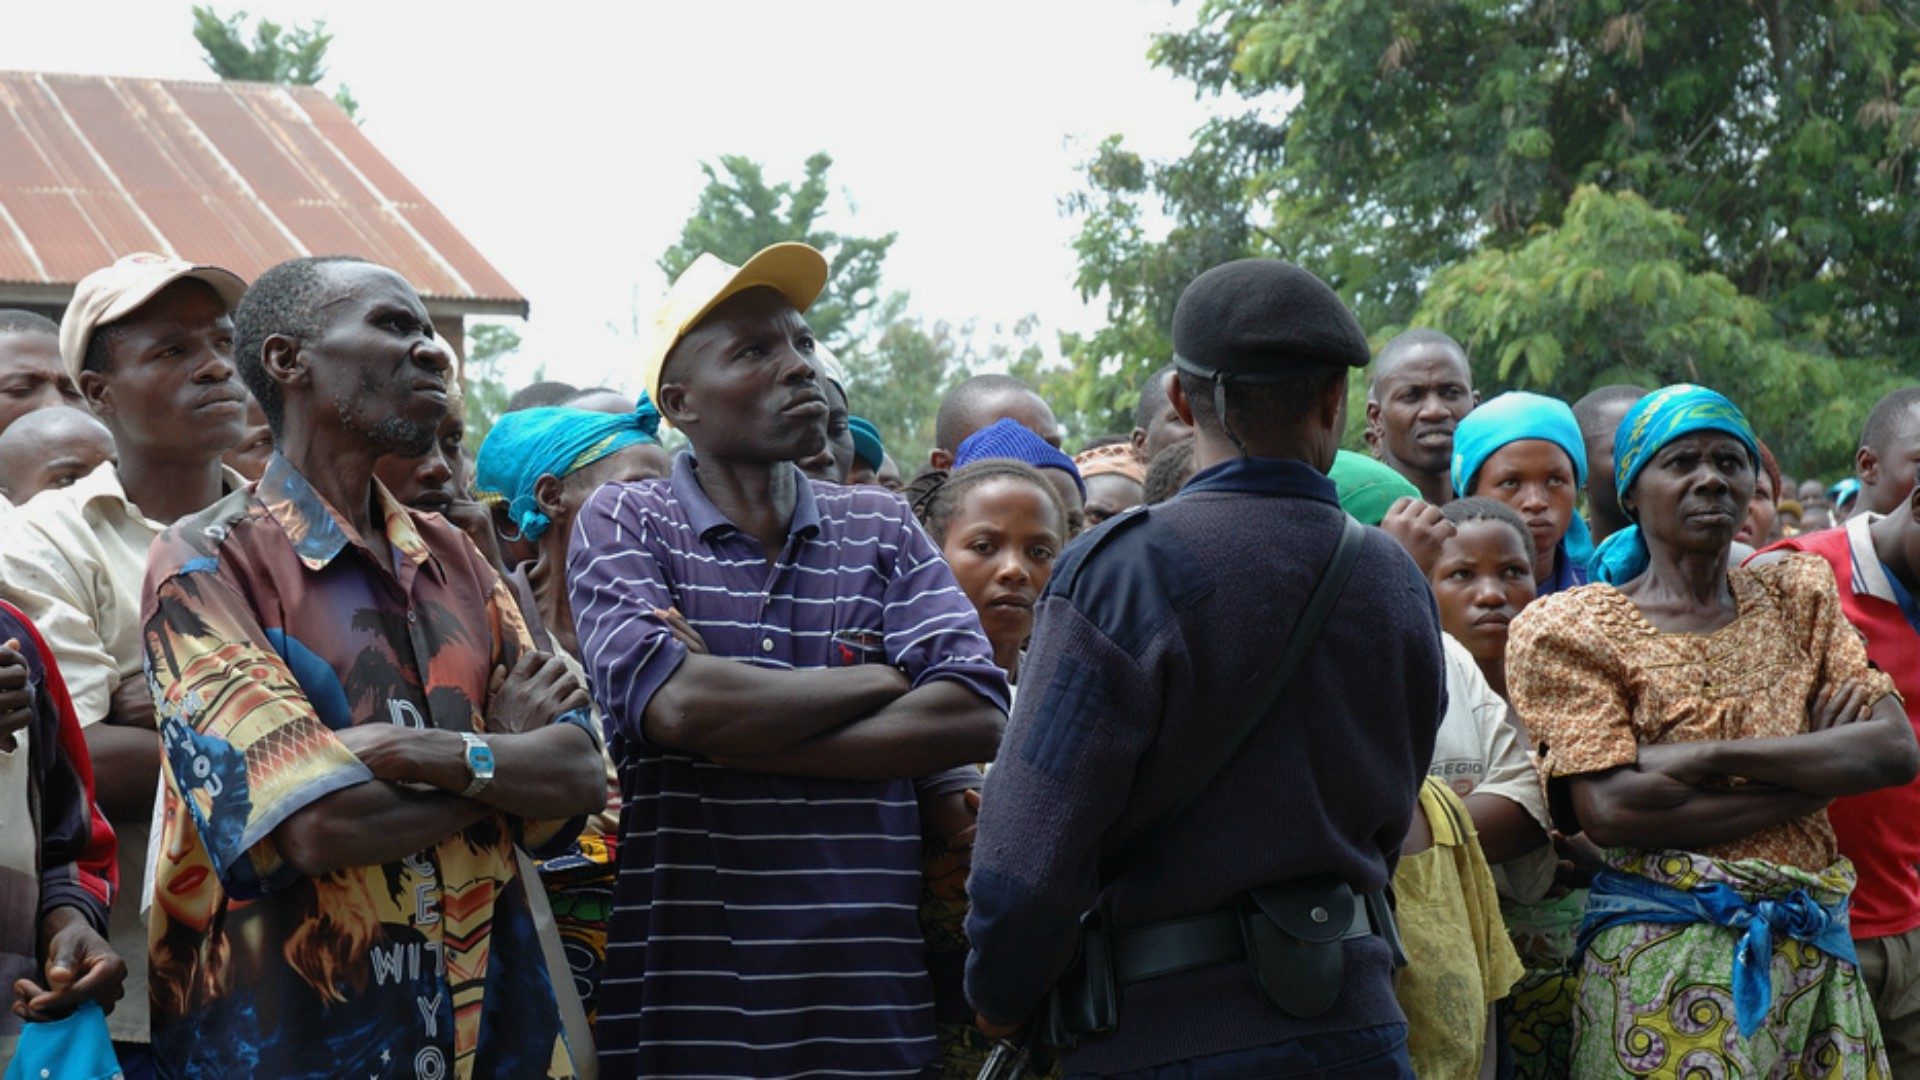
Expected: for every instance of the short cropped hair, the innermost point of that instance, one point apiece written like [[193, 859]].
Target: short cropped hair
[[540, 395], [284, 300], [950, 423], [1153, 397], [936, 493], [1478, 508], [1887, 418], [22, 321], [1419, 336], [1587, 410], [1287, 400]]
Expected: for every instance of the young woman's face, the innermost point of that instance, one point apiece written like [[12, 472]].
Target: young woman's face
[[1535, 477], [1762, 511], [1481, 581], [1001, 542]]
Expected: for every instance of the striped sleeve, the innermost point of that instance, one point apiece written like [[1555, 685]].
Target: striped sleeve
[[615, 583]]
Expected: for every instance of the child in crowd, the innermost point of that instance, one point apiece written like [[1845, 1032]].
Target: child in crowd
[[1000, 524], [1481, 803], [1482, 579]]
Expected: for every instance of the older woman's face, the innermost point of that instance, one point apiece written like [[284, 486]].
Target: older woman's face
[[1693, 495], [1536, 478]]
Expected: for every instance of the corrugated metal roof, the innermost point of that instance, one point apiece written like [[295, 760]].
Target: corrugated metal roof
[[240, 175]]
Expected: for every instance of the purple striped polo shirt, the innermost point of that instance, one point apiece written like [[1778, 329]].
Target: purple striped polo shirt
[[763, 926]]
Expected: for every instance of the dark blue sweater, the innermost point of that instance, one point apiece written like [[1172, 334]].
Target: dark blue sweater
[[1152, 639]]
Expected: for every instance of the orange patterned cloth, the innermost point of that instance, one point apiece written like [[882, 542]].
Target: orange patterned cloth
[[1595, 681], [1117, 459]]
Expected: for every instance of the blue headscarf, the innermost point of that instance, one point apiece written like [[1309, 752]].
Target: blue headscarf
[[523, 446], [1653, 422], [1512, 418]]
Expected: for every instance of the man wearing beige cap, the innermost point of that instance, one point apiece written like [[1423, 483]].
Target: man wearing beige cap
[[149, 342], [764, 918]]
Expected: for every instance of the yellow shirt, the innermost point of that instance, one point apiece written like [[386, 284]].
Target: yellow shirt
[[1459, 960]]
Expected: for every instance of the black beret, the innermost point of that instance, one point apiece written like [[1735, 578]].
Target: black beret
[[1263, 318]]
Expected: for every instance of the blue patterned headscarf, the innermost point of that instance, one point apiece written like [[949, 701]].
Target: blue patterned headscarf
[[1653, 422], [523, 446], [1515, 417]]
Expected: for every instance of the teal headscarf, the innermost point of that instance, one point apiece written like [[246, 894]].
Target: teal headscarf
[[1515, 417], [523, 446], [866, 442], [1653, 422]]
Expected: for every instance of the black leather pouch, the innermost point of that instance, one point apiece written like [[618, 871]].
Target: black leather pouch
[[1293, 932], [1086, 1000]]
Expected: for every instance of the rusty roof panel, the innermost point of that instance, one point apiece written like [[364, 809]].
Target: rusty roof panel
[[242, 175], [15, 262], [66, 242]]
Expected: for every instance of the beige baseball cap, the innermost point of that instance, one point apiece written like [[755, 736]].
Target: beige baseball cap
[[112, 293], [796, 270]]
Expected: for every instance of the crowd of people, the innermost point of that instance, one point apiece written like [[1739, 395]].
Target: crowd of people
[[1541, 740]]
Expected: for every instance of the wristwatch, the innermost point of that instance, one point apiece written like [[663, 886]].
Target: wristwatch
[[479, 763]]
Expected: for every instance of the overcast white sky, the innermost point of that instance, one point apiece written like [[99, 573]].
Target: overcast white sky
[[565, 139]]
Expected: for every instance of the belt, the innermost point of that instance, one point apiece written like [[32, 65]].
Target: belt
[[1198, 941]]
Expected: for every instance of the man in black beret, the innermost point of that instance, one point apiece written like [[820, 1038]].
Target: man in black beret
[[1157, 775]]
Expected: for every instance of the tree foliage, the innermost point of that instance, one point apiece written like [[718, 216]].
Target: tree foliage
[[489, 345], [1610, 295], [739, 213], [897, 366], [1380, 143], [899, 378], [272, 53]]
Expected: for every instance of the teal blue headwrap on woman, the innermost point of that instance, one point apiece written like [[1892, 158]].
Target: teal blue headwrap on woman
[[1512, 418], [523, 446], [1653, 422]]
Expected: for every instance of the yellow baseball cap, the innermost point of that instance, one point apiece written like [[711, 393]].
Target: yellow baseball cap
[[797, 271], [113, 292]]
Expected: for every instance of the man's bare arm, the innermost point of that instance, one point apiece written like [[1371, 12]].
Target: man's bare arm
[[550, 773], [938, 726], [369, 824], [724, 708]]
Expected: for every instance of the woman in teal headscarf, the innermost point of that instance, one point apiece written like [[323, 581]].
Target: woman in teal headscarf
[[1694, 721], [539, 466], [1525, 450]]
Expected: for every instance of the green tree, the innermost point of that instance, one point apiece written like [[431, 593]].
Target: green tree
[[897, 366], [1610, 296], [272, 53], [489, 346], [900, 380], [739, 212], [903, 373], [1380, 142]]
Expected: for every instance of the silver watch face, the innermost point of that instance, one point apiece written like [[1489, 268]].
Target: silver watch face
[[479, 762]]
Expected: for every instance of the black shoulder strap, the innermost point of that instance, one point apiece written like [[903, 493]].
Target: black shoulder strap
[[1306, 632]]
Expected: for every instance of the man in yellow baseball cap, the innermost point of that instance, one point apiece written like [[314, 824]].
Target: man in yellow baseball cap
[[835, 654], [795, 271]]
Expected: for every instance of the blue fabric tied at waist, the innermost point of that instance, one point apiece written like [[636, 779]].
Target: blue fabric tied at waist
[[1618, 899]]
